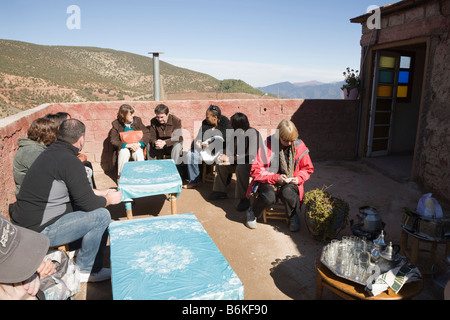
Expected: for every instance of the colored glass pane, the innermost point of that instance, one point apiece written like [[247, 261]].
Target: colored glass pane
[[405, 62], [384, 91], [402, 91], [386, 76], [387, 62], [403, 77]]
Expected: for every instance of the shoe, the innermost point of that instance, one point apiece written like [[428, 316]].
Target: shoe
[[102, 275], [251, 220], [294, 224], [191, 185], [217, 195], [243, 205]]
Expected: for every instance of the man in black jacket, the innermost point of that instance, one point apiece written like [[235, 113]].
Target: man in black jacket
[[56, 200]]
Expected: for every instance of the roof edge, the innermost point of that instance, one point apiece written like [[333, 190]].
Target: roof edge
[[391, 8]]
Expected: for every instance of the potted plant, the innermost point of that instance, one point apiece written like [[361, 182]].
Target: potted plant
[[325, 215], [352, 84]]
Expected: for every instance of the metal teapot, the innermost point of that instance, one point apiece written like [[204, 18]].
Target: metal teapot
[[389, 257], [370, 219]]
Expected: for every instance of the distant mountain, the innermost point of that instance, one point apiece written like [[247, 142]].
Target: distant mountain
[[31, 75], [305, 90]]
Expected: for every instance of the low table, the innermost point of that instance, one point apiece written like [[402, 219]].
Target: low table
[[148, 178], [350, 290], [169, 258]]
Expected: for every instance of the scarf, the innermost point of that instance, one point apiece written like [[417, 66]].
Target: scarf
[[287, 160]]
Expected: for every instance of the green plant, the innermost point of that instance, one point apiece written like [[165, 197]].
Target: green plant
[[327, 214], [352, 79]]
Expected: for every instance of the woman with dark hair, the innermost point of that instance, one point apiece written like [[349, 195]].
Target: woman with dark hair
[[40, 134], [215, 125], [241, 151], [131, 147]]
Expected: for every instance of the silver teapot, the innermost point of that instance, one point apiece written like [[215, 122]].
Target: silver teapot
[[370, 219], [389, 257]]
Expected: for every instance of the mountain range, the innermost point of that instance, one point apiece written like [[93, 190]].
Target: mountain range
[[305, 90], [31, 75]]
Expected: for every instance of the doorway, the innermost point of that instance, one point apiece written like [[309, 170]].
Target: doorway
[[395, 103]]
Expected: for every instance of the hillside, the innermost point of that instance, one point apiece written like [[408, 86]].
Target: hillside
[[305, 90], [31, 75]]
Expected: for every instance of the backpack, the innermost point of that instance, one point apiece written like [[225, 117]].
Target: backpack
[[64, 283]]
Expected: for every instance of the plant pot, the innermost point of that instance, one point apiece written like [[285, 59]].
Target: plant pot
[[351, 94], [338, 224]]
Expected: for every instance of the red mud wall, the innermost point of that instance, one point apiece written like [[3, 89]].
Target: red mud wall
[[328, 127]]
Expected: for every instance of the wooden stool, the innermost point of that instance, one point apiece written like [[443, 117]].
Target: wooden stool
[[208, 172], [64, 247], [413, 251], [277, 211]]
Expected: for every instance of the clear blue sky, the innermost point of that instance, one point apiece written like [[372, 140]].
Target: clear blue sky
[[259, 41]]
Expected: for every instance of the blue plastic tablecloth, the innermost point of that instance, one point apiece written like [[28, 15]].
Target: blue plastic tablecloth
[[169, 257], [148, 178]]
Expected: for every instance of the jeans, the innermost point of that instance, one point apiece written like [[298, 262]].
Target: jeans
[[91, 227], [192, 159]]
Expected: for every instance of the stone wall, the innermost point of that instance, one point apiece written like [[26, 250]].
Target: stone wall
[[328, 127], [429, 22]]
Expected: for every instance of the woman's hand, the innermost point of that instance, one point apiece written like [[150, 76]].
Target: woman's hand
[[134, 146], [283, 179]]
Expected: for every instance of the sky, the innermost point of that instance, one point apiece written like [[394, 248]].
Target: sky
[[261, 42]]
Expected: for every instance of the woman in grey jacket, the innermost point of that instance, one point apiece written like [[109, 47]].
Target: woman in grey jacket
[[40, 134]]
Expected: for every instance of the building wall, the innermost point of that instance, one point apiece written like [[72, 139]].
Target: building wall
[[328, 127], [405, 23]]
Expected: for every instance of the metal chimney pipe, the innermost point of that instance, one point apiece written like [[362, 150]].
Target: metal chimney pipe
[[156, 80]]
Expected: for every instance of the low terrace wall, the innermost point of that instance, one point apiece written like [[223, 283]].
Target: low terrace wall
[[328, 127]]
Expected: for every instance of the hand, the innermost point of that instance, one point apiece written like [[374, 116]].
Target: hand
[[14, 291], [198, 144], [113, 197], [32, 285], [282, 179], [224, 158], [134, 146], [160, 144], [47, 268]]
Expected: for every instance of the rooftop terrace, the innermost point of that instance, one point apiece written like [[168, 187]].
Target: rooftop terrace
[[271, 262]]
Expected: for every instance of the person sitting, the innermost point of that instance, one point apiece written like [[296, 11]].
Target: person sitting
[[40, 134], [243, 151], [57, 201], [58, 118], [214, 125], [162, 128], [22, 264], [132, 146], [279, 171]]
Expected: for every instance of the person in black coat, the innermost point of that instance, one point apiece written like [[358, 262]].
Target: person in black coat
[[211, 135]]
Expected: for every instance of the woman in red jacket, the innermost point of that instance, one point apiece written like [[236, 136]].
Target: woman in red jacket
[[279, 171]]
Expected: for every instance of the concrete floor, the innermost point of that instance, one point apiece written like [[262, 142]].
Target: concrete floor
[[271, 262]]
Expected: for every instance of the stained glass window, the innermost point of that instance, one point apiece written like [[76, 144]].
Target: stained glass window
[[403, 77]]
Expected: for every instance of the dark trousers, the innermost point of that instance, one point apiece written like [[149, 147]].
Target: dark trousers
[[267, 196]]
